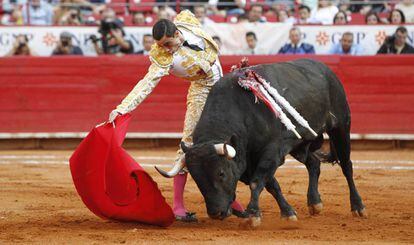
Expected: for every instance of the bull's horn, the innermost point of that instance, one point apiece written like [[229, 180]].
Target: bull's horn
[[184, 147], [178, 166], [231, 152]]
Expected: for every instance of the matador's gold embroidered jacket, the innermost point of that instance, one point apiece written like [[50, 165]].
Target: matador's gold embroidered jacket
[[202, 68], [185, 63]]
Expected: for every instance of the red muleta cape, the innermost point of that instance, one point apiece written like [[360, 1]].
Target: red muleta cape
[[111, 184]]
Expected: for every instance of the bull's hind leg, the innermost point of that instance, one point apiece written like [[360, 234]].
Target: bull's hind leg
[[313, 165], [341, 139]]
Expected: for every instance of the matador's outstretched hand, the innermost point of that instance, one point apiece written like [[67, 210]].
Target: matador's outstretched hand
[[113, 115]]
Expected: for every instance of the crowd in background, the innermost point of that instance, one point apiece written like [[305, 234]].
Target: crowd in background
[[144, 12], [394, 44], [114, 15]]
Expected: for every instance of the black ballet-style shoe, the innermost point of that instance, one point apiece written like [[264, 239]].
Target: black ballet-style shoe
[[188, 217]]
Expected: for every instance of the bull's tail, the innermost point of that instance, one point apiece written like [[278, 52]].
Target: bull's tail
[[338, 121]]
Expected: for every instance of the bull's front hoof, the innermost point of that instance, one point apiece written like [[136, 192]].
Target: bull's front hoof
[[360, 213], [315, 209], [290, 218], [251, 222], [240, 214], [291, 215]]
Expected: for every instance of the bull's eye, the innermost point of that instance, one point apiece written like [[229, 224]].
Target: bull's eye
[[221, 174]]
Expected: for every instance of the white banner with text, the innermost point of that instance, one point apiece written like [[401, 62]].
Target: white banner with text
[[271, 37]]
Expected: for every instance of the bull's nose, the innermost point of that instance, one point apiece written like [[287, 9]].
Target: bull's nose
[[224, 215], [215, 215], [220, 215]]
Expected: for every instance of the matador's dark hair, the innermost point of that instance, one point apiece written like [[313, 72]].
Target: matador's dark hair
[[163, 28]]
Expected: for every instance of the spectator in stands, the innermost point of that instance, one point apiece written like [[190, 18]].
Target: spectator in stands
[[147, 42], [274, 9], [345, 6], [283, 17], [113, 40], [163, 13], [138, 19], [220, 45], [311, 4], [200, 13], [21, 47], [397, 43], [396, 17], [252, 48], [368, 6], [71, 17], [372, 18], [12, 14], [97, 6], [296, 46], [15, 17], [218, 42], [116, 43], [65, 45], [9, 6], [37, 12], [227, 7], [346, 45], [276, 5], [98, 1], [304, 14], [255, 14], [64, 8], [340, 18], [324, 13], [61, 9], [407, 7], [242, 19]]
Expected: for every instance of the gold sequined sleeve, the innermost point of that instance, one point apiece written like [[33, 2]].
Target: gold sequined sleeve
[[143, 88]]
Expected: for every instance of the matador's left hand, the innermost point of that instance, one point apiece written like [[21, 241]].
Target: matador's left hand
[[113, 115]]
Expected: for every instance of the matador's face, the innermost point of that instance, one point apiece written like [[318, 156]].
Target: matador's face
[[171, 44]]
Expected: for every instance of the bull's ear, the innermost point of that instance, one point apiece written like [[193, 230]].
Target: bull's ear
[[232, 140], [184, 147]]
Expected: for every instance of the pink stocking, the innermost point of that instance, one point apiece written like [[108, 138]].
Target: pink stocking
[[178, 204]]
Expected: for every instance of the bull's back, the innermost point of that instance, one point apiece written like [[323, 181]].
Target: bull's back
[[297, 78], [310, 87], [304, 83]]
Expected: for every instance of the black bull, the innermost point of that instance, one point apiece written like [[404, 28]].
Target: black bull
[[261, 141]]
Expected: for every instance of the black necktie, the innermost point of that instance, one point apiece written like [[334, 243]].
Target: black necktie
[[192, 46]]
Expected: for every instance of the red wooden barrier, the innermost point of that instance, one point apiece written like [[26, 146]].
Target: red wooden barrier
[[71, 94]]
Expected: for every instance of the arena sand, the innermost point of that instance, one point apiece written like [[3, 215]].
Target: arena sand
[[38, 204]]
